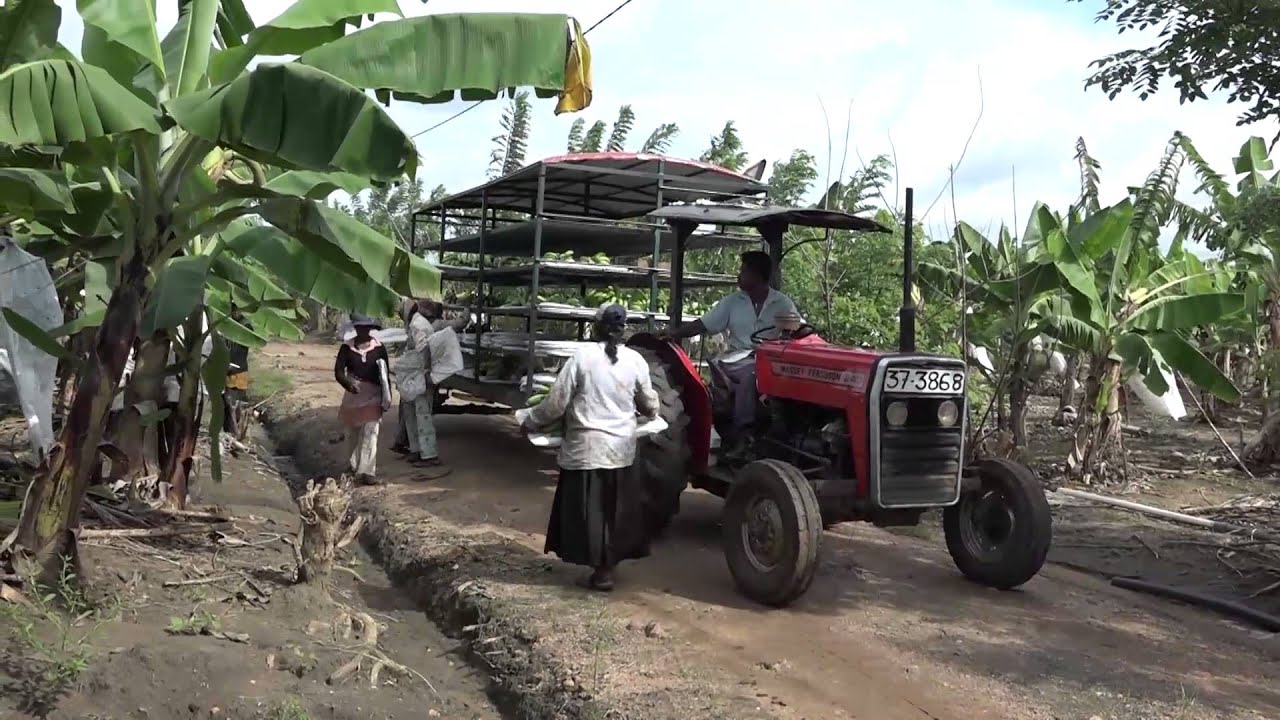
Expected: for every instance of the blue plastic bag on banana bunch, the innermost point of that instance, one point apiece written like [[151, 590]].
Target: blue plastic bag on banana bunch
[[27, 372]]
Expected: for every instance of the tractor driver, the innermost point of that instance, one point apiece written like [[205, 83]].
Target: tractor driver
[[750, 310]]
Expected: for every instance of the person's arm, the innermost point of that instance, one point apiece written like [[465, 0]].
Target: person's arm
[[553, 407], [647, 403], [340, 370], [714, 322], [687, 330], [460, 323]]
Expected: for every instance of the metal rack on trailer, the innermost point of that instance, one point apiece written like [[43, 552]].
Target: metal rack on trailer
[[582, 204]]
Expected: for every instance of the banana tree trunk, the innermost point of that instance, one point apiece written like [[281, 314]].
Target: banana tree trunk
[[1267, 360], [186, 418], [1212, 406], [53, 502], [143, 395], [1019, 392], [1264, 449], [1098, 425]]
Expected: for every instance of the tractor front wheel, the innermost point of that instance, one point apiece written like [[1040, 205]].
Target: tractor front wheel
[[999, 534], [772, 528]]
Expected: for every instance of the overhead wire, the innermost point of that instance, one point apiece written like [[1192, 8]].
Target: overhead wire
[[478, 103]]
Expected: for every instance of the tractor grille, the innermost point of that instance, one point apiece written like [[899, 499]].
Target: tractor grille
[[919, 462]]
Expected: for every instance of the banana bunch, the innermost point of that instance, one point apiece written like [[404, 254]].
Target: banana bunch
[[556, 428]]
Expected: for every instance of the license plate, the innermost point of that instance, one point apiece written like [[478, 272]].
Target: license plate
[[924, 381]]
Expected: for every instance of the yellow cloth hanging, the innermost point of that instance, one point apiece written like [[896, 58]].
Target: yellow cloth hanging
[[238, 381], [577, 74]]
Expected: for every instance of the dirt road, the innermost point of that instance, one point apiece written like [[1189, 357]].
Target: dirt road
[[889, 629]]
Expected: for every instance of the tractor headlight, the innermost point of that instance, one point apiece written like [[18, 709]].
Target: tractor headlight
[[896, 413], [948, 413]]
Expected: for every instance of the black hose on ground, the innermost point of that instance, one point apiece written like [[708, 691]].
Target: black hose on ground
[[1228, 607]]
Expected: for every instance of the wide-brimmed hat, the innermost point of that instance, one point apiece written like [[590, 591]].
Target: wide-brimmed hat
[[358, 320]]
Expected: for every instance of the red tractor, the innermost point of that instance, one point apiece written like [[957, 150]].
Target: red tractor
[[841, 434]]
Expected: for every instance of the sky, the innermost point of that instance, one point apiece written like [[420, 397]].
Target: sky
[[906, 75]]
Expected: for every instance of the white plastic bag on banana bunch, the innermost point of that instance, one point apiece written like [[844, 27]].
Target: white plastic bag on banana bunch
[[27, 289], [1170, 404]]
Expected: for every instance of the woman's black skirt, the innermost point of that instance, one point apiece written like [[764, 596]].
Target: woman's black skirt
[[597, 518]]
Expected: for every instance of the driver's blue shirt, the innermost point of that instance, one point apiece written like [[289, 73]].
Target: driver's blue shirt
[[737, 314]]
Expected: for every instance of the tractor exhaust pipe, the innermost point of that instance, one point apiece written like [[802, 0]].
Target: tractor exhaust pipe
[[907, 313]]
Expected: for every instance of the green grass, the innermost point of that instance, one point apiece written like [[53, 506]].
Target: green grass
[[55, 630], [267, 382], [288, 709]]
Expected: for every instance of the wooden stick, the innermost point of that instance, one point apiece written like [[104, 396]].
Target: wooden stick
[[1147, 545], [1266, 589], [198, 581], [1221, 439], [194, 515], [263, 401], [108, 534]]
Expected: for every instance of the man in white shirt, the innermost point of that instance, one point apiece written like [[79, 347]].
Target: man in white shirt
[[749, 311], [418, 371]]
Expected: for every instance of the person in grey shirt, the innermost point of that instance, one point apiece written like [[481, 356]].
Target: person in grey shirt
[[750, 310]]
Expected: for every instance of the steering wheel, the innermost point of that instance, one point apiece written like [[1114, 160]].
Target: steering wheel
[[755, 336], [804, 330]]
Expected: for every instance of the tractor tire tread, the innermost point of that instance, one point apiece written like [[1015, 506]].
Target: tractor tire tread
[[1027, 552], [796, 497], [663, 459]]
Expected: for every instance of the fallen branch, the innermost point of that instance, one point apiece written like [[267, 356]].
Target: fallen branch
[[1146, 545], [194, 515], [263, 401], [1273, 586], [198, 581], [111, 533]]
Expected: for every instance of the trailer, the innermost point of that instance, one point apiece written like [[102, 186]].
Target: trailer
[[512, 235]]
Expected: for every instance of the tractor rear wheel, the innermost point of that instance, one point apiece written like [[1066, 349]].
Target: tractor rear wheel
[[772, 528], [662, 460], [999, 534]]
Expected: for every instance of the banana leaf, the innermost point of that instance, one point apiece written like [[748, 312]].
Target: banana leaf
[[304, 25], [299, 118], [427, 58], [64, 103], [28, 30]]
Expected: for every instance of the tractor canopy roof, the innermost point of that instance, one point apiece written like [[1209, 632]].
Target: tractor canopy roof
[[759, 217], [613, 185]]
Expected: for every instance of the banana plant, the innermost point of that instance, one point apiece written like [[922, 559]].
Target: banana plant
[[1129, 310], [1002, 283], [110, 148]]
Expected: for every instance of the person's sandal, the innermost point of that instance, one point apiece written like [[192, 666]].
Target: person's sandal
[[432, 469], [364, 479], [599, 581]]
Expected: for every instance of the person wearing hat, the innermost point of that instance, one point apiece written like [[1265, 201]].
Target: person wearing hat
[[361, 368], [597, 517]]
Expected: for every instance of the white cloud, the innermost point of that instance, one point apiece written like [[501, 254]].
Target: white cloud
[[910, 75]]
